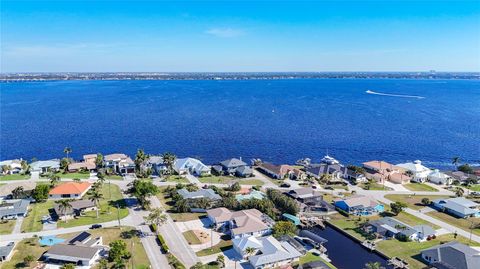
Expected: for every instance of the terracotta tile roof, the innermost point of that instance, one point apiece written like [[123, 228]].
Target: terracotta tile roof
[[71, 188]]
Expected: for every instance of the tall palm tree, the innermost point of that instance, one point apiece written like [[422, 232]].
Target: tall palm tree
[[169, 159], [95, 196], [67, 150], [249, 251], [54, 179], [64, 205], [456, 161], [140, 159], [459, 192], [6, 169], [18, 192], [156, 217]]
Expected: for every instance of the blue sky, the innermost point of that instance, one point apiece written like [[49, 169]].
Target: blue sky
[[234, 36]]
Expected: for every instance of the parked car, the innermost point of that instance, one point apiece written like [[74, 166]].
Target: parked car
[[96, 226], [285, 185]]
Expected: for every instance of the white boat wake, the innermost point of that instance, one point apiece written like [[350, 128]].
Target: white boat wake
[[395, 95]]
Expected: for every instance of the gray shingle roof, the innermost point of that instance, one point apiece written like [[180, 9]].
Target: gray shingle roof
[[13, 207], [232, 163], [202, 193], [5, 250], [458, 204], [73, 252], [454, 255]]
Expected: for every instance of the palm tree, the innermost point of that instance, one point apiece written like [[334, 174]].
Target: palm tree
[[67, 150], [18, 192], [373, 265], [459, 191], [456, 161], [140, 159], [54, 179], [156, 217], [64, 205], [6, 169], [249, 251], [169, 159], [95, 196]]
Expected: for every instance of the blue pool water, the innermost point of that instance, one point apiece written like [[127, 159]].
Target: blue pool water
[[276, 120], [50, 240]]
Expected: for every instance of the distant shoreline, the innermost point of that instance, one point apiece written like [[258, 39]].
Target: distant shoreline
[[128, 76]]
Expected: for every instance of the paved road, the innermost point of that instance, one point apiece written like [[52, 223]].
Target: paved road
[[175, 240]]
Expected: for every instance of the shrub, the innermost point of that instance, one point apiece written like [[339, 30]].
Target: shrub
[[163, 244]]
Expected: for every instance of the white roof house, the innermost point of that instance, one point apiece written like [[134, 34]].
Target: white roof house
[[420, 172], [45, 166], [190, 165], [15, 166], [440, 178], [269, 252]]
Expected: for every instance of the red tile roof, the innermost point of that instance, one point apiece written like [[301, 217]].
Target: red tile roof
[[70, 188]]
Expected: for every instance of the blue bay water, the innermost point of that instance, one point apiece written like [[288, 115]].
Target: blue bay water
[[275, 120]]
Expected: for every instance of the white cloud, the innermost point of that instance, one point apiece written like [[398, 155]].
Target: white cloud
[[225, 32]]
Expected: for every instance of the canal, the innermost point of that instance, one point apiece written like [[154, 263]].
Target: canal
[[345, 252]]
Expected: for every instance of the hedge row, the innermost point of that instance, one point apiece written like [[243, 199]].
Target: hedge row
[[163, 244], [174, 262]]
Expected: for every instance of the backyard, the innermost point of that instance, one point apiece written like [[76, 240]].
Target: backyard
[[413, 201], [33, 220], [420, 187]]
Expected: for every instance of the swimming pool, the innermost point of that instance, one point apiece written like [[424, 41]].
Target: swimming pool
[[50, 240]]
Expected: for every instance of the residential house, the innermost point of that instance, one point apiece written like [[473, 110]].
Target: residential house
[[157, 165], [89, 163], [119, 163], [241, 223], [440, 178], [359, 205], [6, 251], [45, 166], [192, 198], [281, 171], [13, 167], [90, 158], [190, 166], [420, 172], [78, 208], [252, 194], [12, 209], [461, 176], [459, 207], [7, 189], [452, 255], [81, 250], [390, 227], [268, 251], [69, 190], [355, 176], [383, 171], [336, 172], [311, 201], [234, 167]]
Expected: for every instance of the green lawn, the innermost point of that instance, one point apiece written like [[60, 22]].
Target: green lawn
[[113, 177], [33, 220], [410, 251], [309, 257], [177, 179], [413, 201], [217, 179], [463, 224], [374, 187], [108, 210], [475, 187], [14, 177], [7, 226], [419, 187], [74, 175], [252, 181], [191, 238], [220, 247]]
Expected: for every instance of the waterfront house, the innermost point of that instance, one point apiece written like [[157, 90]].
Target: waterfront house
[[191, 166], [6, 251], [81, 166], [78, 208], [70, 190], [7, 189], [281, 171], [420, 172], [459, 207], [359, 205], [234, 167], [452, 255], [461, 176], [194, 196], [157, 165], [82, 250], [12, 209], [45, 166], [390, 227], [382, 171], [10, 167], [355, 176], [268, 252], [241, 223], [440, 178], [252, 194], [119, 163], [306, 195]]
